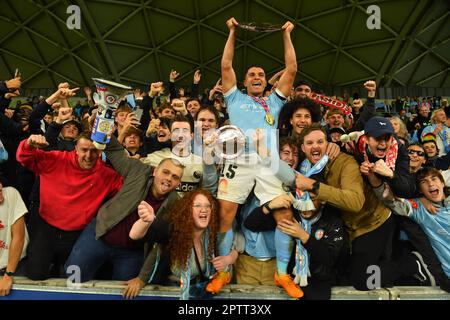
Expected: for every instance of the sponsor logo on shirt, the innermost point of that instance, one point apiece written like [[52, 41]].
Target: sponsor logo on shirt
[[187, 186], [251, 107]]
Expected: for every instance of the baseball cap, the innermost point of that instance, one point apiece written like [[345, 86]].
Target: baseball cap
[[75, 122], [337, 130], [378, 126]]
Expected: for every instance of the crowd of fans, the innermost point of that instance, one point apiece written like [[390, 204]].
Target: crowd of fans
[[317, 199]]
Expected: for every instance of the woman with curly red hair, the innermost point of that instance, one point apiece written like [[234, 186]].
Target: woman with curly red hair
[[190, 251]]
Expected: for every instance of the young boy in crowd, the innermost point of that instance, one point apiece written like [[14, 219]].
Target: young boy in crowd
[[430, 182]]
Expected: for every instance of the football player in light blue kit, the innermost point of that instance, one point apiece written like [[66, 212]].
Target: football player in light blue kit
[[249, 112]]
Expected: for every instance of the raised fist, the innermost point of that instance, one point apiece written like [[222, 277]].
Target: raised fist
[[173, 75], [13, 84], [357, 103], [288, 27], [382, 169], [146, 212], [232, 23], [371, 87], [63, 85], [37, 141], [155, 88]]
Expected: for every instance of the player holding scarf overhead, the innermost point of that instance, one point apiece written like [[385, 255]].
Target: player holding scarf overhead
[[249, 112]]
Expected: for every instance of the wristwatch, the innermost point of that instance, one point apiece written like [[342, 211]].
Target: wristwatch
[[315, 187], [266, 205], [10, 274]]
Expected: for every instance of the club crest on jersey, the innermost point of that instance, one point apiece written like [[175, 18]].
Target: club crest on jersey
[[413, 203], [319, 234]]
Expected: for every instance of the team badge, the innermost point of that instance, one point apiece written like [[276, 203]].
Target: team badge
[[319, 234], [413, 203]]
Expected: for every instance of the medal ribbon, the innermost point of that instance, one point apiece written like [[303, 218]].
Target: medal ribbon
[[262, 103]]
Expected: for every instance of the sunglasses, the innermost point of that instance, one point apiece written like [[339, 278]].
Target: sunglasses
[[419, 153]]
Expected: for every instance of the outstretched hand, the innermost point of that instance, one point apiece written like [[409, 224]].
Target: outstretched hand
[[64, 114], [197, 76], [133, 288], [173, 75]]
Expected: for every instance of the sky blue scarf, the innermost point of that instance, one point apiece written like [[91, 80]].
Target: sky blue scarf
[[301, 269], [302, 201]]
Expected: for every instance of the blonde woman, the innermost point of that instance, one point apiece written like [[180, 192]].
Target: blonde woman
[[399, 129], [440, 130]]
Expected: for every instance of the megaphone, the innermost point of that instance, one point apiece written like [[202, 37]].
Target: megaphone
[[108, 96]]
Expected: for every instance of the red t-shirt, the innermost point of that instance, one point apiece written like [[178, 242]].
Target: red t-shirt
[[70, 196], [119, 237]]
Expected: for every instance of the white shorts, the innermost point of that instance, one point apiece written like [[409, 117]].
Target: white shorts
[[237, 180]]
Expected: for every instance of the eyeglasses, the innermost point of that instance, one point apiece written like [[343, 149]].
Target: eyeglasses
[[200, 206], [419, 153]]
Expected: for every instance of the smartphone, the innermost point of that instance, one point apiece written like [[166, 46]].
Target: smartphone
[[131, 102], [138, 112]]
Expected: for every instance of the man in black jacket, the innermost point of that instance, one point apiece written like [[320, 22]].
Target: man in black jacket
[[325, 243], [421, 120], [386, 157]]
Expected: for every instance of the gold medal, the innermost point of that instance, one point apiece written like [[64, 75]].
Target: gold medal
[[270, 119]]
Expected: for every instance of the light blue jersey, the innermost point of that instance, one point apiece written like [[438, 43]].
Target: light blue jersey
[[260, 245], [248, 114], [442, 139], [437, 228]]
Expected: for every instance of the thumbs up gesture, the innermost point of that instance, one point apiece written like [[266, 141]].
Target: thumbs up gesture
[[366, 167], [146, 212]]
